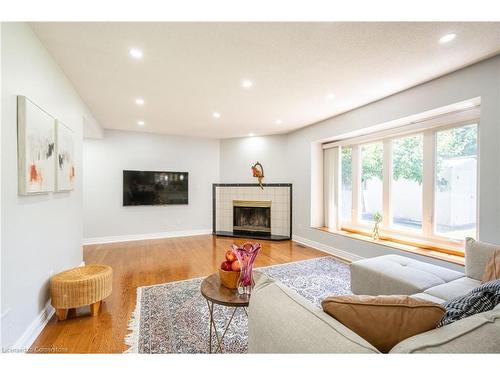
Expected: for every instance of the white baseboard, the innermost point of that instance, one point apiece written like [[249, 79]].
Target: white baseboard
[[37, 325], [34, 329], [146, 236], [327, 249]]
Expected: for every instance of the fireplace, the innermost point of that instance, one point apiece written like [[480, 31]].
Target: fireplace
[[252, 217], [248, 211]]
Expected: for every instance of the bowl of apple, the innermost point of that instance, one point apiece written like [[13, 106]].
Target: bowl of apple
[[229, 271]]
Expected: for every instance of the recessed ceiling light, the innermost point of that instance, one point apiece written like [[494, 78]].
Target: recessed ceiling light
[[447, 38], [135, 53], [246, 84], [141, 123], [278, 122], [330, 96], [216, 115], [139, 101], [251, 134]]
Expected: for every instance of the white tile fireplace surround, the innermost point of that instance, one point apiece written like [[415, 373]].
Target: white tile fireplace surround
[[278, 195]]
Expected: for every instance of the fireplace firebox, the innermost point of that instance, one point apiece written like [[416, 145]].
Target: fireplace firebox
[[252, 217]]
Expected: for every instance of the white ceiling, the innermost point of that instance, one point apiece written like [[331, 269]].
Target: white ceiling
[[190, 70]]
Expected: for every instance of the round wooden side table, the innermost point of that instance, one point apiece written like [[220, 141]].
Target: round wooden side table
[[215, 293]]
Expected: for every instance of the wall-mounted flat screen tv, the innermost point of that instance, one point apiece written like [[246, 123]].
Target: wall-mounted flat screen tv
[[147, 188]]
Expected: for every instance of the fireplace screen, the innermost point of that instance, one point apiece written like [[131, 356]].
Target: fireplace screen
[[252, 217]]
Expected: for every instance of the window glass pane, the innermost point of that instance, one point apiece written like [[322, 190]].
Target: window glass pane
[[406, 189], [346, 184], [456, 182], [371, 180]]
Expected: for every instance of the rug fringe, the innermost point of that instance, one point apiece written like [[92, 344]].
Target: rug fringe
[[132, 339]]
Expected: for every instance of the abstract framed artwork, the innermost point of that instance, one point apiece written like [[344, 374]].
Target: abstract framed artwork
[[65, 166], [36, 148]]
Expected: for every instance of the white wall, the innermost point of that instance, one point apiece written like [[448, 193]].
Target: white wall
[[1, 198], [237, 155], [482, 79], [104, 159], [40, 234]]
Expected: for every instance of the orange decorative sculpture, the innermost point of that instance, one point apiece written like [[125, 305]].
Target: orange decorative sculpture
[[258, 172]]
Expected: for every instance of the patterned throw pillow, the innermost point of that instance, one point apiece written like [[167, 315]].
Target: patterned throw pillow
[[480, 299]]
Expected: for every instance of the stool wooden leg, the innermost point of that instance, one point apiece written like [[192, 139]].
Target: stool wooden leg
[[61, 314], [94, 308]]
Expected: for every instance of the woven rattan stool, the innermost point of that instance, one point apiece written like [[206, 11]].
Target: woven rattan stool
[[81, 286]]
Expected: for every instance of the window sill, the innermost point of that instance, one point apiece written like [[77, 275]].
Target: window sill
[[455, 256]]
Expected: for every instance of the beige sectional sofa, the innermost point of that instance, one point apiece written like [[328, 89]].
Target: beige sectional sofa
[[281, 321], [395, 274]]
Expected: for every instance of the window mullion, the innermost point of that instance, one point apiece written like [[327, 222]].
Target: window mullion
[[429, 161], [387, 183], [356, 182]]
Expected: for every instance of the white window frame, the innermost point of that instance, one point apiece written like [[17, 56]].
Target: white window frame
[[428, 129]]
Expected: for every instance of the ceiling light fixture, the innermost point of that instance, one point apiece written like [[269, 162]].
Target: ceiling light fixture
[[246, 84], [141, 123], [251, 134], [216, 115], [447, 38], [135, 53], [278, 122], [139, 101], [330, 96]]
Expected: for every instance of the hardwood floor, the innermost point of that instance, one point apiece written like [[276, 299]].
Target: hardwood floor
[[142, 263]]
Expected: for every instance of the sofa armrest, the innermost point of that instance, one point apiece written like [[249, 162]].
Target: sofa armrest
[[281, 321], [479, 333]]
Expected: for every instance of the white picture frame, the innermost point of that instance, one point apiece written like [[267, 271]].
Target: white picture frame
[[36, 148], [65, 160]]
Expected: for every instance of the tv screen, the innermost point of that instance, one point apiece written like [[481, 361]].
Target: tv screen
[[146, 188]]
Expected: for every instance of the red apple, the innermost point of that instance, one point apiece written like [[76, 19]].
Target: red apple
[[230, 256], [226, 266], [235, 266]]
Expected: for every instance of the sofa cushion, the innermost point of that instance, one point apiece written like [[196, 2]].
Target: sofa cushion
[[454, 288], [428, 297], [477, 255], [281, 321], [492, 269], [395, 274], [384, 321], [476, 334], [480, 299]]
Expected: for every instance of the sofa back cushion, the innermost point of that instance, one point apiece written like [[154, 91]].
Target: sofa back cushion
[[281, 321], [477, 255], [492, 270], [384, 321]]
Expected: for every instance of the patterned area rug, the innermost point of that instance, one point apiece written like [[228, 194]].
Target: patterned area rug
[[174, 318]]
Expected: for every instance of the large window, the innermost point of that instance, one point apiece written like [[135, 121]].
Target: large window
[[371, 180], [456, 175], [423, 182], [407, 175], [346, 198]]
